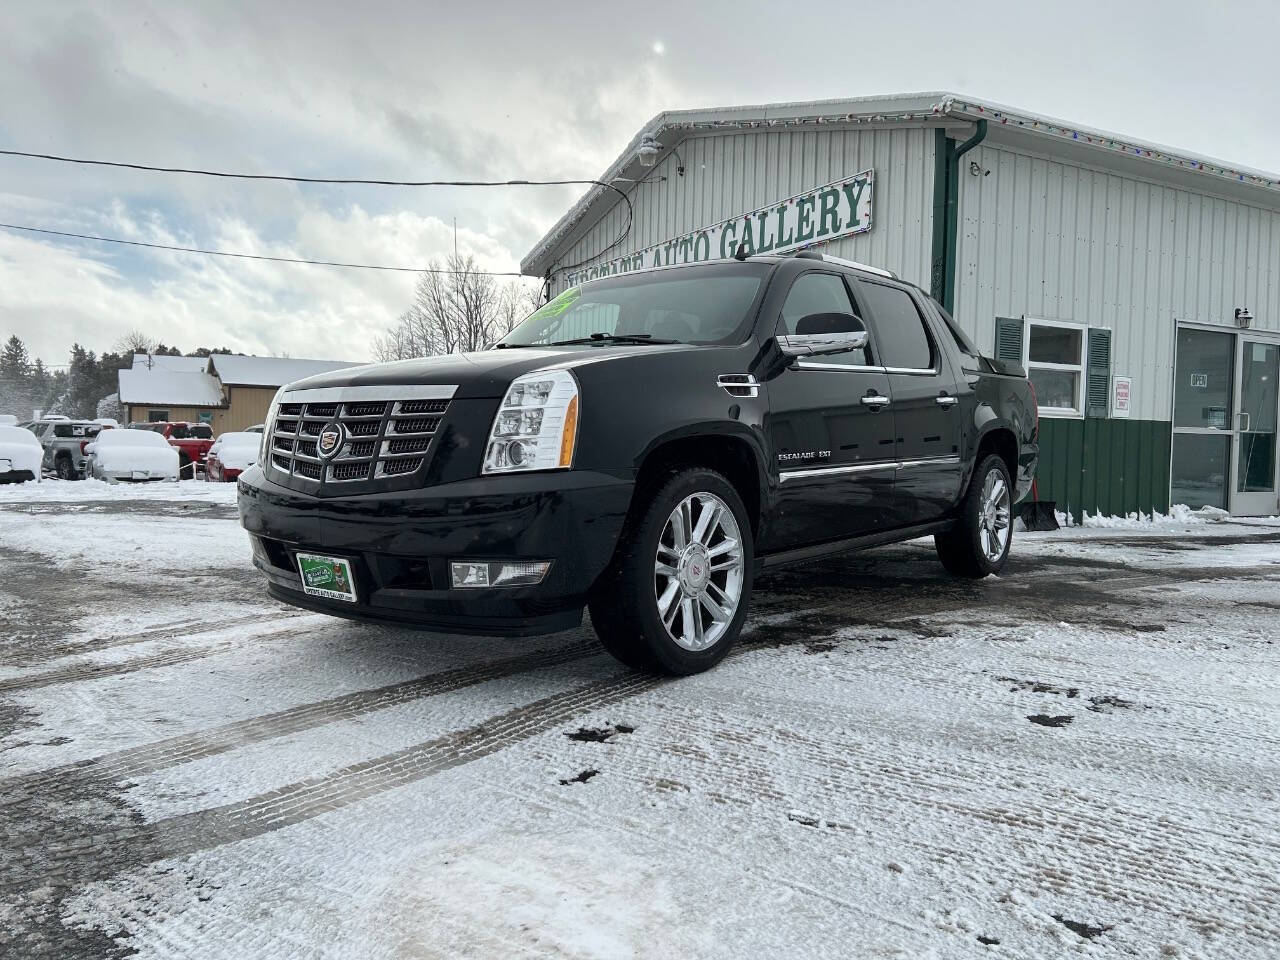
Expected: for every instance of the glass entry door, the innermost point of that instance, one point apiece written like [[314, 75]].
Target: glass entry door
[[1254, 487], [1203, 398]]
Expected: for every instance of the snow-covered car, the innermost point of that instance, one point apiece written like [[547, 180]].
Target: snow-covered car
[[8, 420], [232, 454], [110, 423], [132, 455], [20, 455], [256, 428]]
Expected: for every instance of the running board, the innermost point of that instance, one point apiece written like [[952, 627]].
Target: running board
[[832, 548]]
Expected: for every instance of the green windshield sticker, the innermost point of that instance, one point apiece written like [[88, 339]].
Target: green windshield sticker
[[560, 304]]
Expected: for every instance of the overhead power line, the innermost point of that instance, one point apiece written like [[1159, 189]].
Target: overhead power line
[[251, 256], [344, 181]]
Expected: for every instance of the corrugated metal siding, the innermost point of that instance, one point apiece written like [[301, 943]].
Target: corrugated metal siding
[[1112, 467], [730, 174], [1047, 239]]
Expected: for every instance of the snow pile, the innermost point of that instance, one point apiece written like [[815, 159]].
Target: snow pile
[[1179, 515]]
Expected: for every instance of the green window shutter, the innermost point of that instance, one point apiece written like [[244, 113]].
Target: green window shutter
[[1098, 373], [1009, 339]]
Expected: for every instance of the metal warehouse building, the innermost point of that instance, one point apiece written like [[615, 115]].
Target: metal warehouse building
[[1139, 284]]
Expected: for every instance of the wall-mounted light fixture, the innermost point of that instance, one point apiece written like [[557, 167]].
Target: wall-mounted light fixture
[[648, 151], [1244, 319]]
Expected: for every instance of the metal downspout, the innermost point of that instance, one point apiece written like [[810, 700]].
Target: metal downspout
[[946, 205]]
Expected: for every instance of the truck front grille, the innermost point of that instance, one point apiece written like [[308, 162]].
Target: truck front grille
[[380, 439]]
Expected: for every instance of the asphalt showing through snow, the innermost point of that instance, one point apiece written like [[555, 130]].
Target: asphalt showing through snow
[[892, 762]]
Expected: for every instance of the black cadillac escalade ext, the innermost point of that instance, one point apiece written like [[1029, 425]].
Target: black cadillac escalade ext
[[642, 446]]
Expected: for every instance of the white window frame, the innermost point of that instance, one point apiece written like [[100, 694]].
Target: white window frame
[[1066, 413]]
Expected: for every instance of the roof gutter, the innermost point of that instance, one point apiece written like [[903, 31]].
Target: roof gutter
[[946, 204]]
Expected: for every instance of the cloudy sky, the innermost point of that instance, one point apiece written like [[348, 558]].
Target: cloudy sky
[[495, 90]]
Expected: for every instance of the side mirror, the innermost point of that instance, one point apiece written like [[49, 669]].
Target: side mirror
[[824, 333]]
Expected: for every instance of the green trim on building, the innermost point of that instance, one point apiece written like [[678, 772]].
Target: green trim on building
[[1105, 466], [946, 211]]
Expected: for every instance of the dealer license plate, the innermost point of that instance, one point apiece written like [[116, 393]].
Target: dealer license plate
[[328, 577], [141, 475]]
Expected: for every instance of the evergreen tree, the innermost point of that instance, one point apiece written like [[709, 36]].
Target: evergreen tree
[[82, 383], [15, 364]]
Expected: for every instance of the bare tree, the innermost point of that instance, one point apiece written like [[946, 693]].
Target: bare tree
[[135, 341], [455, 310]]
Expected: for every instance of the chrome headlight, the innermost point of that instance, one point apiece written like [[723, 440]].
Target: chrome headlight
[[269, 425], [536, 427]]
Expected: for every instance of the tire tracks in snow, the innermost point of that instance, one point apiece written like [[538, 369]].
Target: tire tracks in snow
[[61, 851], [1158, 873], [197, 745], [173, 630], [165, 658]]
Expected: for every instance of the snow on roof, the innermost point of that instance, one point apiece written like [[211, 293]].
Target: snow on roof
[[179, 388], [143, 361], [936, 108], [268, 371]]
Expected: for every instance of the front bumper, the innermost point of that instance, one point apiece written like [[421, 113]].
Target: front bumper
[[401, 543]]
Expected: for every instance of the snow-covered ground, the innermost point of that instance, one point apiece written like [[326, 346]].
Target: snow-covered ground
[[1078, 758]]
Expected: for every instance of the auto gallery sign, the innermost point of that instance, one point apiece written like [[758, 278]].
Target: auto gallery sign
[[837, 209]]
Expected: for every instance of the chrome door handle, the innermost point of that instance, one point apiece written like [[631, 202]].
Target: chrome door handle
[[945, 401], [875, 401]]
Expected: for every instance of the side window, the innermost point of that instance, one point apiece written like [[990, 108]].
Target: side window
[[900, 329], [817, 293], [180, 432]]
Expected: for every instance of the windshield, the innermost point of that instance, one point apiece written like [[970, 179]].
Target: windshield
[[706, 304]]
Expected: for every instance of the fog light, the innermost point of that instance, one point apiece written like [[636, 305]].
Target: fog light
[[506, 573]]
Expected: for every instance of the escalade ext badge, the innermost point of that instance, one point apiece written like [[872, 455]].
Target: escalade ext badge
[[693, 467]]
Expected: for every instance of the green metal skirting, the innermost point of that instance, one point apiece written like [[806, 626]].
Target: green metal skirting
[[1112, 467]]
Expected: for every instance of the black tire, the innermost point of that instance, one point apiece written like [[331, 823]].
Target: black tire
[[961, 549], [624, 605], [64, 469], [185, 463]]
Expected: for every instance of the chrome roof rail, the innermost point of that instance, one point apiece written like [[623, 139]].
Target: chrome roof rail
[[811, 254]]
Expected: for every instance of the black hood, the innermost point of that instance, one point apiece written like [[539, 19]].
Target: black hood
[[486, 373]]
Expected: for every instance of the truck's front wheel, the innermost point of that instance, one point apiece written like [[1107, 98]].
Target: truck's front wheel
[[676, 595]]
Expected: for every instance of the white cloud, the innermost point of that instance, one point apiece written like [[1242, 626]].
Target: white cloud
[[54, 294]]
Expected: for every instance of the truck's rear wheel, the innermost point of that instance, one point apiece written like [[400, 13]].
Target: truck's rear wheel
[[186, 467], [978, 545], [676, 595], [64, 469]]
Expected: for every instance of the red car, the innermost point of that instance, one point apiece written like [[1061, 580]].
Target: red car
[[231, 455], [193, 441]]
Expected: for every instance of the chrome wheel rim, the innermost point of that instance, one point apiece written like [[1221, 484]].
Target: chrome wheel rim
[[993, 520], [698, 571]]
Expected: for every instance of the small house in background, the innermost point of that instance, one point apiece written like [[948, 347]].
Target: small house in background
[[226, 391]]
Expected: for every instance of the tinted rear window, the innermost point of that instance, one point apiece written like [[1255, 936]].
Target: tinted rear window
[[962, 340], [76, 431]]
